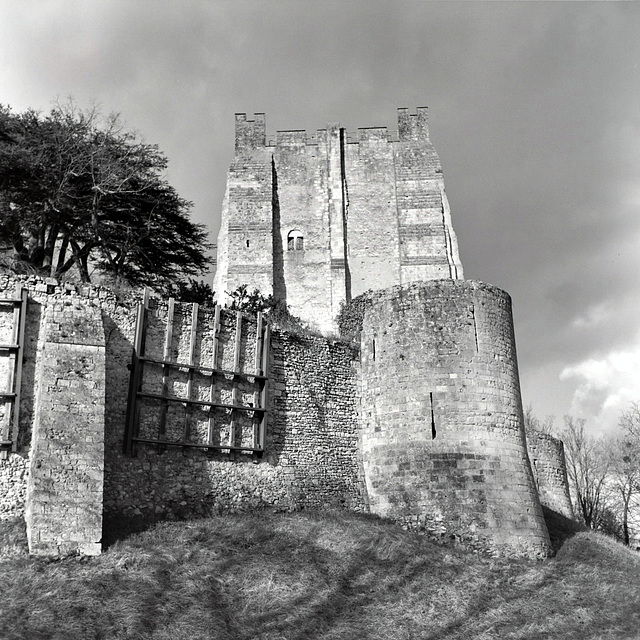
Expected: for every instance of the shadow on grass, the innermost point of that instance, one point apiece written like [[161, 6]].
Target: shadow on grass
[[560, 527], [116, 528], [13, 538]]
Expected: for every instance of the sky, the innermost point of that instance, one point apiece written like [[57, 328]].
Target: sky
[[534, 110]]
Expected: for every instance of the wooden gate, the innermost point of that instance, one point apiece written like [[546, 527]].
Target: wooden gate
[[14, 313], [164, 371]]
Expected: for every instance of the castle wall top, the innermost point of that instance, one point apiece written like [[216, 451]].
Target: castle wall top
[[251, 134], [413, 127]]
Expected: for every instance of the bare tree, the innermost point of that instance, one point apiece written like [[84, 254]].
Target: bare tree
[[624, 457], [587, 469], [533, 423]]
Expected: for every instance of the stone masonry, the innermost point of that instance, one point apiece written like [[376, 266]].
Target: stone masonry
[[419, 421], [442, 425], [317, 220], [65, 485], [550, 471], [326, 398]]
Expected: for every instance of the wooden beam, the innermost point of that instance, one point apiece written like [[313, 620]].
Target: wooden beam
[[132, 420], [192, 352], [19, 358], [9, 426], [202, 403], [197, 367], [234, 383], [219, 447], [214, 363], [264, 396], [166, 369], [258, 370]]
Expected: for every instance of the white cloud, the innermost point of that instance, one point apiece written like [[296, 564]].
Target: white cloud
[[605, 386], [595, 315]]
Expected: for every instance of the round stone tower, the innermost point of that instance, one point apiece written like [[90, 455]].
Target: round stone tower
[[442, 439]]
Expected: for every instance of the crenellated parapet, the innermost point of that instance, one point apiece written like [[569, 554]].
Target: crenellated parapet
[[250, 133]]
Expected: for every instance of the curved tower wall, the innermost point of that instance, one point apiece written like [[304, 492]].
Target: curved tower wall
[[442, 437], [550, 471]]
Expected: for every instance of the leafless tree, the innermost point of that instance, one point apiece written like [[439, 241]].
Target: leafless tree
[[533, 423], [624, 460], [588, 468]]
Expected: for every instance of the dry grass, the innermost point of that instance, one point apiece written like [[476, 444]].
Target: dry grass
[[317, 575]]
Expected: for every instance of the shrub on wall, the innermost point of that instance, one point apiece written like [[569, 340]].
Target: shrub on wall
[[350, 317], [276, 310]]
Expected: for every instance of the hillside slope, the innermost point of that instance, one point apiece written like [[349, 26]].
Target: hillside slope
[[317, 575]]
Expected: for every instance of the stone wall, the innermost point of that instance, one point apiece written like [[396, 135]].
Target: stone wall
[[311, 456], [65, 483], [118, 338], [311, 444], [550, 471], [423, 426], [370, 209], [442, 425]]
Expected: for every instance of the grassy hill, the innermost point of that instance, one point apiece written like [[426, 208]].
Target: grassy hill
[[314, 575]]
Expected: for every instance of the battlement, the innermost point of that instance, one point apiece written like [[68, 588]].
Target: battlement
[[413, 127], [369, 205], [251, 134]]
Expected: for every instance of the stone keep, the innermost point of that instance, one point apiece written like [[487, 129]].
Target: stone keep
[[317, 220]]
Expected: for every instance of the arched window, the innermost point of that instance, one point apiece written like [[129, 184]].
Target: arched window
[[295, 240]]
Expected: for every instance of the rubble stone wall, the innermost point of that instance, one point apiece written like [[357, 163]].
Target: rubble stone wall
[[550, 471], [311, 440], [422, 423], [311, 456]]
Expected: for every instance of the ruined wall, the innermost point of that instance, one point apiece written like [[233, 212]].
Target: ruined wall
[[65, 483], [311, 454], [13, 470], [550, 471], [438, 443], [442, 426], [371, 211], [118, 337], [311, 447]]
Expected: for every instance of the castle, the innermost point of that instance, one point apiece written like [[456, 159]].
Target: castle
[[318, 220], [420, 421]]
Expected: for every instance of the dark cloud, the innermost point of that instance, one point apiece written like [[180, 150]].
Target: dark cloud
[[534, 112]]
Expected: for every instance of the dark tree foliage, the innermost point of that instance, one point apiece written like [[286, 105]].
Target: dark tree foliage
[[194, 291], [276, 310], [80, 192]]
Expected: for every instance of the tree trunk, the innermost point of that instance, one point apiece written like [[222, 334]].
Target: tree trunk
[[62, 254], [49, 248]]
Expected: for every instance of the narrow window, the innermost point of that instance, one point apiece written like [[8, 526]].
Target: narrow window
[[295, 241], [247, 244], [433, 418]]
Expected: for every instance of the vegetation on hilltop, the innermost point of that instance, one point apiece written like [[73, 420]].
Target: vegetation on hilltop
[[318, 575]]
